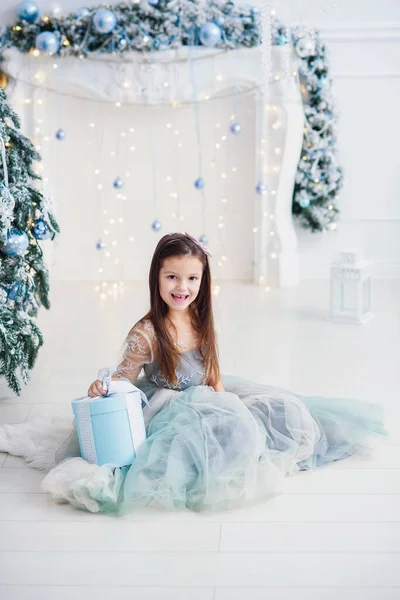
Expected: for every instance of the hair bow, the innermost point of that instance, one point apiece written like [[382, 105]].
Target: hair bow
[[204, 248]]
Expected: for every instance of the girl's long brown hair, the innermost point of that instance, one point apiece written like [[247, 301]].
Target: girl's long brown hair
[[178, 244]]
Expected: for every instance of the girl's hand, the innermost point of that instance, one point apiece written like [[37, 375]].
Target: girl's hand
[[96, 389]]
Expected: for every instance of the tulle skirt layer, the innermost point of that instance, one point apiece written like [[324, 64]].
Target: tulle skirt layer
[[209, 450]]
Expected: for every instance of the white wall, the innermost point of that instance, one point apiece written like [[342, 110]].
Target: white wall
[[363, 43]]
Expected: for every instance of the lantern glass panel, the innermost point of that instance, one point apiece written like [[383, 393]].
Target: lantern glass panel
[[366, 295]]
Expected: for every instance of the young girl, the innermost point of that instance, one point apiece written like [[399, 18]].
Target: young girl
[[212, 442]]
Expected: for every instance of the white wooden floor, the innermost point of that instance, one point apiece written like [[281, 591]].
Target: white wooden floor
[[330, 535]]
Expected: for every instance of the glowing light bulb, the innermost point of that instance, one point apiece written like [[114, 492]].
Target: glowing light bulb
[[255, 229]]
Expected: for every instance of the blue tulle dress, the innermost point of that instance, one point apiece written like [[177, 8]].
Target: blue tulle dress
[[214, 450]]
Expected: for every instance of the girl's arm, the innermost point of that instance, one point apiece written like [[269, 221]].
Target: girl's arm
[[219, 386]]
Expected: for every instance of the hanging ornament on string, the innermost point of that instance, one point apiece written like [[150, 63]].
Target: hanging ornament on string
[[28, 11], [100, 245], [41, 230], [261, 189], [104, 20], [203, 240], [60, 134], [235, 128], [16, 244], [118, 183], [156, 225], [82, 13], [47, 43], [210, 34], [199, 183]]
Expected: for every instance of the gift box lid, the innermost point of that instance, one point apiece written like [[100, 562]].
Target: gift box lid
[[104, 404]]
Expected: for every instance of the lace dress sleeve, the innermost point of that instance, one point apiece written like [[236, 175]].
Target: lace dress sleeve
[[137, 352]]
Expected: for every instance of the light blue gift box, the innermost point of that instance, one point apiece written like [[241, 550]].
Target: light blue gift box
[[110, 428]]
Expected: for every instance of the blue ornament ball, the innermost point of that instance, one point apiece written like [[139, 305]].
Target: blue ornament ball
[[60, 134], [156, 225], [281, 39], [100, 245], [210, 34], [235, 128], [220, 20], [304, 202], [28, 11], [153, 2], [261, 189], [47, 42], [203, 240], [16, 244], [82, 12], [199, 183], [118, 183], [40, 230], [15, 289], [104, 20]]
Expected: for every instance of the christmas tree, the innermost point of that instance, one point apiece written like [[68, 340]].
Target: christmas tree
[[25, 219]]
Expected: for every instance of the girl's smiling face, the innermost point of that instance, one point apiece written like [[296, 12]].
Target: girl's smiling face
[[179, 281]]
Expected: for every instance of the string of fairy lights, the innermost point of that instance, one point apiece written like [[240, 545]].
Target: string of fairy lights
[[110, 242]]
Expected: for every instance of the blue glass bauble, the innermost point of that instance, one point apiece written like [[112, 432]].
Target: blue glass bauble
[[199, 183], [16, 244], [304, 203], [235, 128], [28, 11], [15, 290], [118, 183], [82, 12], [47, 42], [156, 225], [261, 189], [100, 245], [281, 39], [104, 20], [122, 43], [40, 230], [220, 20], [60, 134], [153, 2], [210, 34], [203, 240]]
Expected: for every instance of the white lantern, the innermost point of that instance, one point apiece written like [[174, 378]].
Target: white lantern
[[351, 288]]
